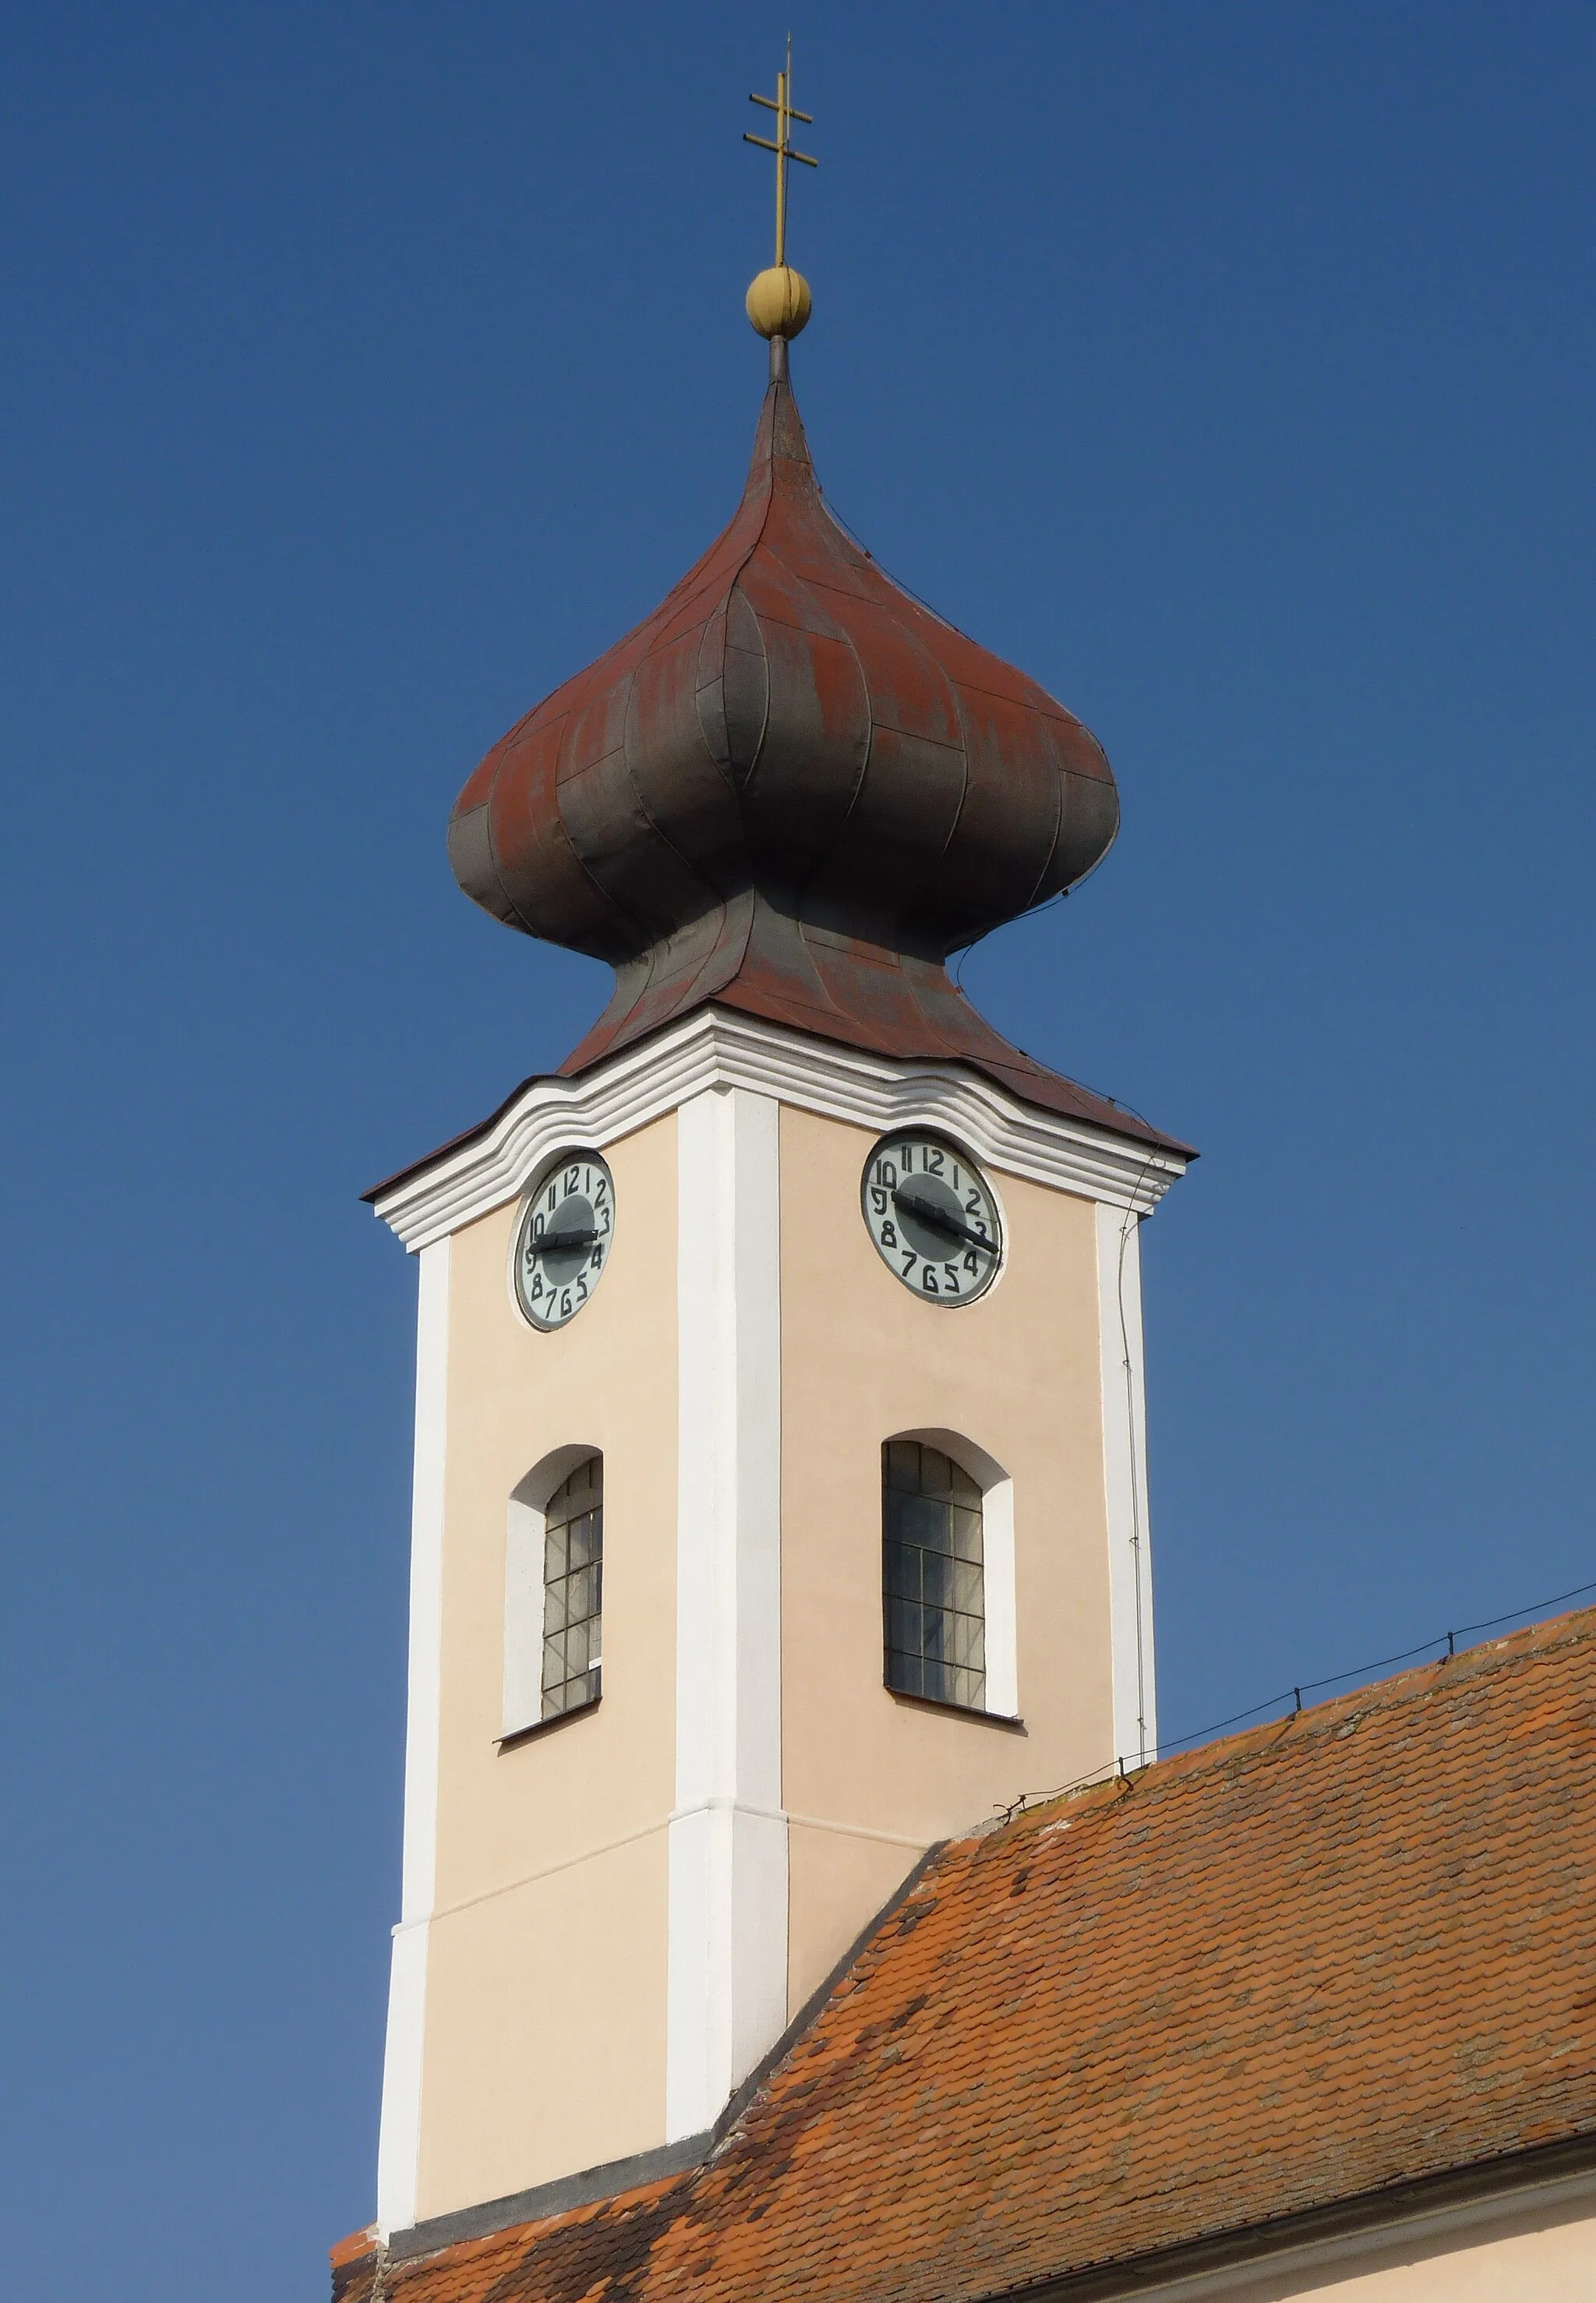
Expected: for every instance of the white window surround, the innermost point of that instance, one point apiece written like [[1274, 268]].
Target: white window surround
[[524, 1584], [997, 1556], [716, 1048]]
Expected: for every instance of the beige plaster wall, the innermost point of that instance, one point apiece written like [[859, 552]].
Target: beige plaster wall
[[546, 2002], [545, 2015], [868, 1777], [545, 2029]]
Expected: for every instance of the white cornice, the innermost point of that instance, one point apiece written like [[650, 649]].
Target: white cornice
[[715, 1047]]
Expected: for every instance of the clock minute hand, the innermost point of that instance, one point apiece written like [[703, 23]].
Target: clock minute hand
[[928, 1212], [547, 1241]]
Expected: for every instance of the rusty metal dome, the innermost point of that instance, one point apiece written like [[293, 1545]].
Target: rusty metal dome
[[793, 791]]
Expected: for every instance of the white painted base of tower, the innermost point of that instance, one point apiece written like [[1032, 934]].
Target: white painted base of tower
[[727, 1993]]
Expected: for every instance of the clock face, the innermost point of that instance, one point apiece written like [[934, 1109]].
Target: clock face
[[932, 1216], [563, 1241]]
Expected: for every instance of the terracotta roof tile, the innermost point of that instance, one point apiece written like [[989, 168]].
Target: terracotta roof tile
[[1324, 1957]]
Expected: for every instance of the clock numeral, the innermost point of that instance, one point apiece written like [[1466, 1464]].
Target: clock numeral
[[565, 1235], [916, 1179]]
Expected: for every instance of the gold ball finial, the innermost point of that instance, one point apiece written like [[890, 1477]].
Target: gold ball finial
[[779, 301]]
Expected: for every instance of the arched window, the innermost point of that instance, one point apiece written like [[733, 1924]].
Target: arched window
[[554, 1589], [573, 1567], [933, 1576]]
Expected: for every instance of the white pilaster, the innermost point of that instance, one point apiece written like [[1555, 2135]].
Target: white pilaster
[[727, 1952], [1125, 1483], [400, 2144]]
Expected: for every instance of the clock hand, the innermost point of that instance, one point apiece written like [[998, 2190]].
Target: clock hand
[[928, 1212], [549, 1240]]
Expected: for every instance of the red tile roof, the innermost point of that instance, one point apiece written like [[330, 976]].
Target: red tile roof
[[1314, 1961]]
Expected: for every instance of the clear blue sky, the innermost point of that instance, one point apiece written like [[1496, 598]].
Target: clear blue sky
[[365, 370]]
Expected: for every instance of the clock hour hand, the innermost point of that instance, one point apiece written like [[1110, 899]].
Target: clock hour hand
[[928, 1212], [547, 1242]]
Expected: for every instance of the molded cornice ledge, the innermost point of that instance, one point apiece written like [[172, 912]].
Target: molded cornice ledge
[[715, 1047]]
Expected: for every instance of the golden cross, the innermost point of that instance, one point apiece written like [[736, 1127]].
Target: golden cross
[[783, 147]]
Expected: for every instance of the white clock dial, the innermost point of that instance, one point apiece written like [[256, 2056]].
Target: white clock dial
[[933, 1217], [563, 1241]]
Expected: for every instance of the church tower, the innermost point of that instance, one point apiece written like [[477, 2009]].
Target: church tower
[[779, 1496]]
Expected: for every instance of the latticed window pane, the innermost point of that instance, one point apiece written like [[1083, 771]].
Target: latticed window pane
[[934, 1601], [903, 1570], [573, 1593]]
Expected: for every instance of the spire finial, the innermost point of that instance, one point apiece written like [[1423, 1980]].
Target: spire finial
[[779, 300]]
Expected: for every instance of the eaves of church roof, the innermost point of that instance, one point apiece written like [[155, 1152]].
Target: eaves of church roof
[[1317, 1966], [1030, 1083]]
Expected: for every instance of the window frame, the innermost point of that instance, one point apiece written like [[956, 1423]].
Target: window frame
[[526, 1528], [997, 1576]]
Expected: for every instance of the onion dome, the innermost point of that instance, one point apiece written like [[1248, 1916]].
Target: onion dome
[[792, 791]]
